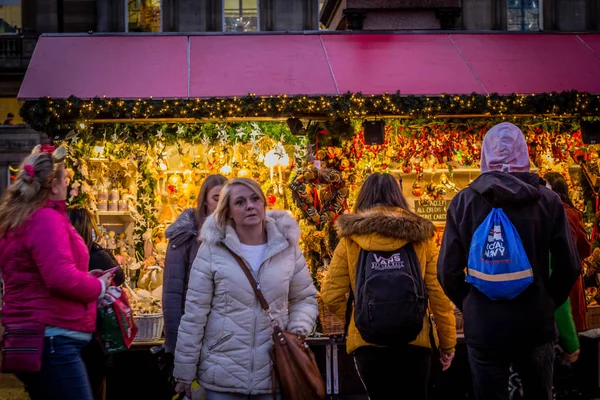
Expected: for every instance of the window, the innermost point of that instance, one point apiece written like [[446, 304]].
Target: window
[[524, 15], [240, 15], [10, 16], [143, 16], [9, 111]]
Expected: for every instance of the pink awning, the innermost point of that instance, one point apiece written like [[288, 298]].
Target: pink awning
[[413, 64], [532, 63], [265, 65], [114, 66], [181, 66]]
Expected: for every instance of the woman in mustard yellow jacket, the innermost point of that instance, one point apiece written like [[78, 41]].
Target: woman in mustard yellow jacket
[[382, 221]]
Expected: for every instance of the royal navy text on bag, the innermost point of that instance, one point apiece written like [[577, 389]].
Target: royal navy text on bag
[[498, 265]]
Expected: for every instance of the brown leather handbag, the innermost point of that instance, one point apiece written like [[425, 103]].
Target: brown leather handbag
[[294, 364]]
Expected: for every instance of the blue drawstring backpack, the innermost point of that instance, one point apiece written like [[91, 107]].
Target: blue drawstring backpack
[[498, 265]]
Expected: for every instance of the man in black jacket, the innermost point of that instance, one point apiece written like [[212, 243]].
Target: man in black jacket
[[518, 331]]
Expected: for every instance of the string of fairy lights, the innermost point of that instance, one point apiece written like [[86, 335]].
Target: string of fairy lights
[[47, 113]]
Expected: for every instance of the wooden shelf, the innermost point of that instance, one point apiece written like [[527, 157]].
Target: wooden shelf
[[122, 215]]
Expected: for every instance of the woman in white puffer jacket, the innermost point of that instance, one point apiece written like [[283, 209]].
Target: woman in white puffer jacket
[[224, 337]]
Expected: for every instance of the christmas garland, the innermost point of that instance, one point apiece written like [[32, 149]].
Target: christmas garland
[[53, 115]]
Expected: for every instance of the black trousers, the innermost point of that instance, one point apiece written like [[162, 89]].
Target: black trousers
[[490, 371], [394, 372], [95, 363]]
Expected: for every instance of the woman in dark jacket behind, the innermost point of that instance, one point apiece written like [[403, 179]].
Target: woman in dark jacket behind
[[575, 217], [93, 354], [184, 243], [101, 259]]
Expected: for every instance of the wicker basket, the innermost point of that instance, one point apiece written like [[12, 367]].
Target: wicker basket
[[593, 317], [330, 324], [150, 327]]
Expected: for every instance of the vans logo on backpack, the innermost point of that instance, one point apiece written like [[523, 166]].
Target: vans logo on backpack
[[393, 262], [495, 243]]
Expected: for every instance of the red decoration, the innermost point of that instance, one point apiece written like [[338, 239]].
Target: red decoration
[[271, 199], [417, 190], [47, 148], [29, 170]]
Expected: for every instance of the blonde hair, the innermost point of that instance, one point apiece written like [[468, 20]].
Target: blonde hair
[[201, 212], [222, 215], [30, 191]]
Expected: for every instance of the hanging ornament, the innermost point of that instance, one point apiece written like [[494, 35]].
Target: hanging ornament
[[443, 179], [417, 190], [243, 173], [226, 169], [431, 188], [271, 199]]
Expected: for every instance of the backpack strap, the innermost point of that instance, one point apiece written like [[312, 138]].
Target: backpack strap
[[349, 304], [432, 325]]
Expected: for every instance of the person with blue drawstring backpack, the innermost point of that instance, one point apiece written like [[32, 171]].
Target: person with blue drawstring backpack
[[503, 234]]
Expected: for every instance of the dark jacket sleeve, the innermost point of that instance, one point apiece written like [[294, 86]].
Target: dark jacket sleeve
[[452, 260], [565, 263], [176, 262], [104, 260]]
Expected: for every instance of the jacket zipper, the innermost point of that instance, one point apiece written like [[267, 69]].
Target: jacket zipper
[[253, 348], [256, 306], [15, 331], [19, 349], [220, 341]]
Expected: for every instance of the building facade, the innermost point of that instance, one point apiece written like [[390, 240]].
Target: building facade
[[479, 15], [22, 21]]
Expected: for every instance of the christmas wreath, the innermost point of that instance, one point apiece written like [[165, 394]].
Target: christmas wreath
[[320, 193]]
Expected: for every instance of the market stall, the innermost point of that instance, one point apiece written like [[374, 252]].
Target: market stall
[[139, 160]]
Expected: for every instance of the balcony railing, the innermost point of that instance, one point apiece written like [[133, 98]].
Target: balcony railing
[[15, 51]]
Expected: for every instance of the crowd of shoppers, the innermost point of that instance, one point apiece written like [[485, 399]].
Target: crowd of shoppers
[[216, 333]]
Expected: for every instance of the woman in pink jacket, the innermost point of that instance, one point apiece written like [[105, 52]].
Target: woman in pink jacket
[[44, 264]]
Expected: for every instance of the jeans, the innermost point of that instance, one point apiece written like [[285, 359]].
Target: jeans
[[63, 374], [236, 396], [490, 371], [394, 372]]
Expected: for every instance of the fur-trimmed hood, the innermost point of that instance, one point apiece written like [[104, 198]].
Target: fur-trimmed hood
[[393, 223], [183, 228], [278, 221]]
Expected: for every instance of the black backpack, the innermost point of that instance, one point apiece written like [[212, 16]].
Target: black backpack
[[390, 302]]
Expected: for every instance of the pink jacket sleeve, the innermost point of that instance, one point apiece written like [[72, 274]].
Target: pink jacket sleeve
[[48, 240]]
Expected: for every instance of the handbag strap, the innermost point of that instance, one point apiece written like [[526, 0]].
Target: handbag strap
[[255, 286]]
